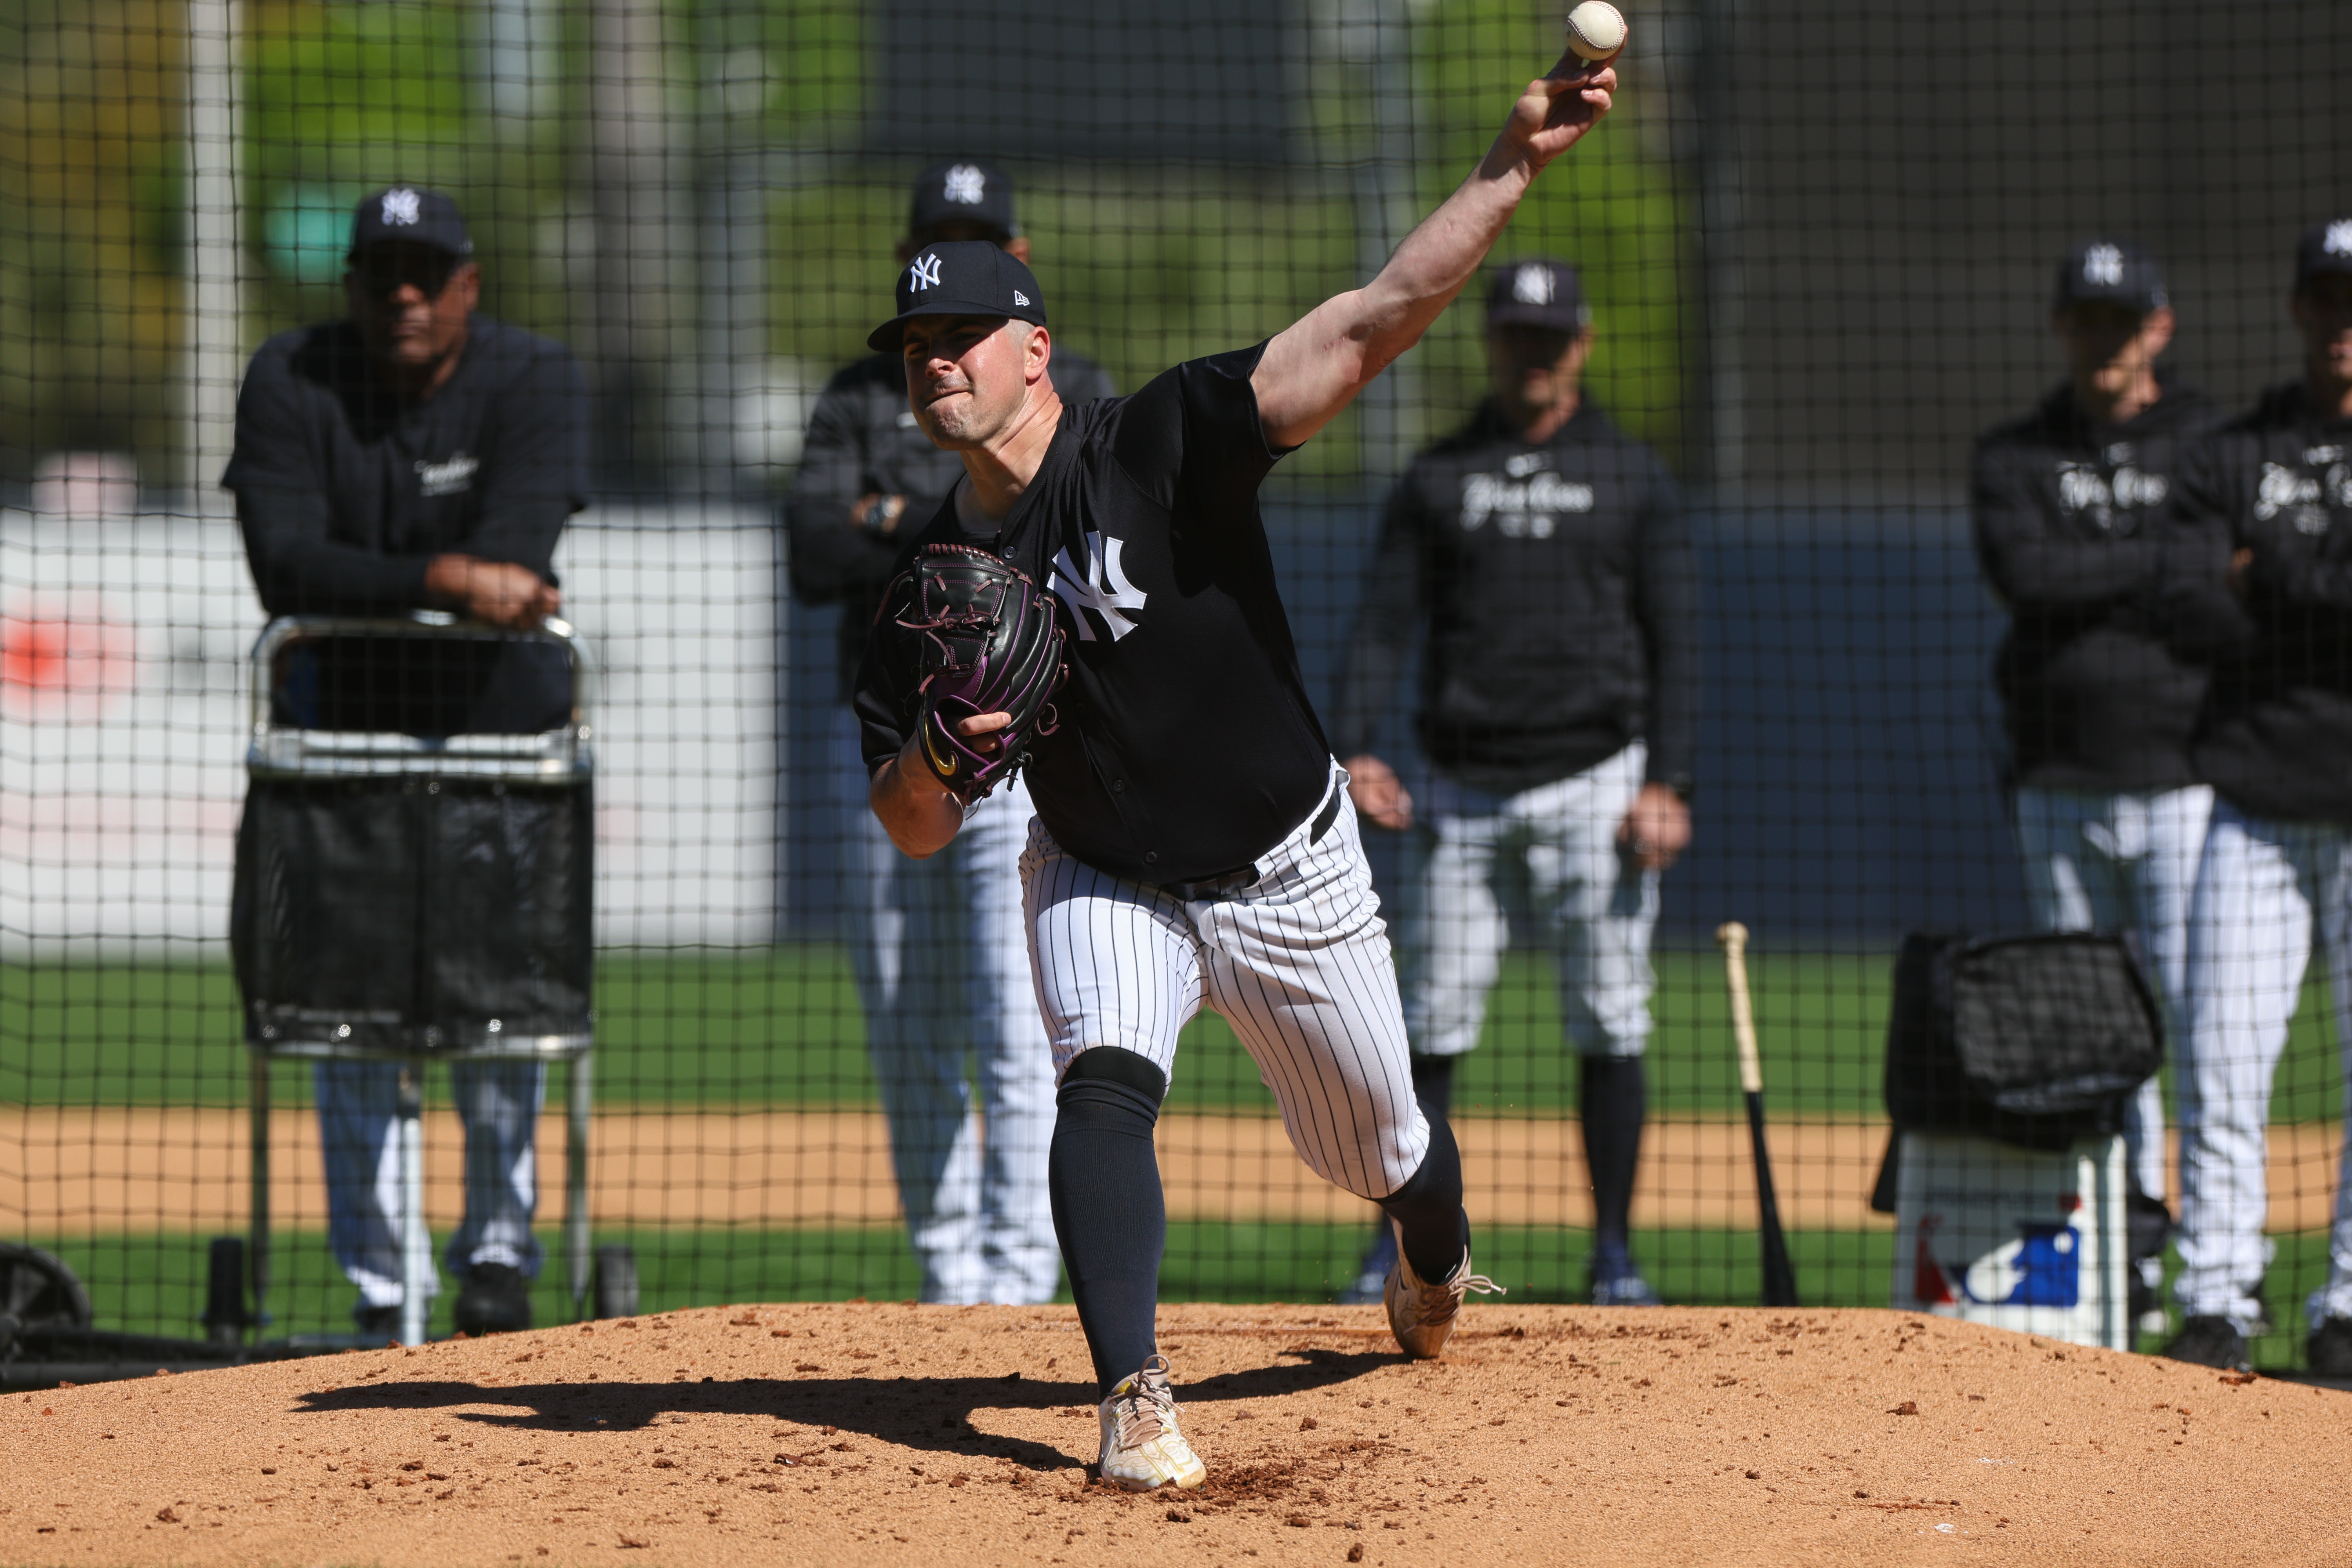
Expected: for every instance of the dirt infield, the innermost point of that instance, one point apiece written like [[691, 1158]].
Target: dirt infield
[[75, 1170], [850, 1434]]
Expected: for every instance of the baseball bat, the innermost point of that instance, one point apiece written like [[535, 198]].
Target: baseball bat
[[1780, 1276]]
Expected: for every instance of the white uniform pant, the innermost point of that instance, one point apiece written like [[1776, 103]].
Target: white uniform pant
[[942, 971], [2264, 890], [2123, 864], [359, 1105], [1553, 852], [1297, 964]]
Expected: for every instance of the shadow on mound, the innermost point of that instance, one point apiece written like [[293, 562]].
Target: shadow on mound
[[932, 1414]]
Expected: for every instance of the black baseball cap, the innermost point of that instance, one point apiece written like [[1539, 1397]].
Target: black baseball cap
[[960, 278], [1537, 292], [962, 191], [2326, 247], [413, 214], [2112, 272]]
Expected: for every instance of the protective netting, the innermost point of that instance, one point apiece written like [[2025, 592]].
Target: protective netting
[[1817, 243]]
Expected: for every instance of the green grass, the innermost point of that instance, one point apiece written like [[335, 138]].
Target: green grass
[[780, 1026], [154, 1283]]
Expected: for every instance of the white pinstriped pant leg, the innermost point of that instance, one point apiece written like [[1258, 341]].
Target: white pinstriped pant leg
[[2126, 864], [943, 966], [1298, 964], [1557, 843], [2264, 890]]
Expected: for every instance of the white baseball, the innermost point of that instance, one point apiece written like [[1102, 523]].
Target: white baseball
[[1596, 30]]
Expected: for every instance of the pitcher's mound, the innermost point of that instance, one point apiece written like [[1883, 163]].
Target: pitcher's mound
[[959, 1436]]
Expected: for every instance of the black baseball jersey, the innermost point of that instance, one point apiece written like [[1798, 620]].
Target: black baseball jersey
[[1188, 747], [2069, 529], [863, 440], [1562, 604], [2275, 736], [346, 488]]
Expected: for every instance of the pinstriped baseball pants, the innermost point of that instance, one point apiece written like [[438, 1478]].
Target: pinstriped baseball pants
[[1297, 964]]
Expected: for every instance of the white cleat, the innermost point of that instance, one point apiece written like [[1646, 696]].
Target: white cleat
[[1143, 1449], [1420, 1315]]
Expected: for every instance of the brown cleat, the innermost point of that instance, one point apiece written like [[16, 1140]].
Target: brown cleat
[[1421, 1314]]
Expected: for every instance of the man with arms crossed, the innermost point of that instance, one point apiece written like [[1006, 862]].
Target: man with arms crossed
[[1538, 538], [937, 945], [2070, 502], [2264, 544], [1193, 843], [417, 455]]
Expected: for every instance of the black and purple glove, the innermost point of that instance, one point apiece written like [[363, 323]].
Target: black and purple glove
[[966, 633]]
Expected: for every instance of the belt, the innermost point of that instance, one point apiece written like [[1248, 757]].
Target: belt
[[1223, 882]]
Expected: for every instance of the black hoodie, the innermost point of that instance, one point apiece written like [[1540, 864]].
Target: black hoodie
[[2070, 528], [2275, 736], [1562, 604]]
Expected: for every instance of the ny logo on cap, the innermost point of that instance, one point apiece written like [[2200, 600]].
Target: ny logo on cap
[[2339, 238], [402, 207], [966, 184], [924, 273], [2103, 264], [1533, 286]]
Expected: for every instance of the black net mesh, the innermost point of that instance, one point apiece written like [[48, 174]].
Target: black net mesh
[[1817, 243]]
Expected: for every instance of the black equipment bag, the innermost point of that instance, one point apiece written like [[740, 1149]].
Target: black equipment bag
[[2034, 1041], [414, 913]]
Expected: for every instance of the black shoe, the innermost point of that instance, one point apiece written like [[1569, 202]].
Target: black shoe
[[2329, 1349], [496, 1300], [376, 1321], [2206, 1341]]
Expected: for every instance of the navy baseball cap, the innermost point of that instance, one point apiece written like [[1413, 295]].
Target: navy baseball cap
[[1537, 292], [2108, 271], [964, 191], [960, 278], [413, 214], [2326, 247]]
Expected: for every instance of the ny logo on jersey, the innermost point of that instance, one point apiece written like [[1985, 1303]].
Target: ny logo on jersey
[[923, 274], [1102, 588], [2103, 264], [402, 207], [966, 184]]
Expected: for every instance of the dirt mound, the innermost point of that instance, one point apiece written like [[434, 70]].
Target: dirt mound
[[848, 1433]]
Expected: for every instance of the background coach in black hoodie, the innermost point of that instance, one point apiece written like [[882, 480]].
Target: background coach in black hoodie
[[1546, 551], [2265, 586], [2069, 503]]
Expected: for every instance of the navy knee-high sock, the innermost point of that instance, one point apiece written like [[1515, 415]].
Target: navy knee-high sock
[[1611, 1099], [1433, 1085], [1109, 1214], [1428, 1209]]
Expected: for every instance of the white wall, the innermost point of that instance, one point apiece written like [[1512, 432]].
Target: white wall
[[123, 719]]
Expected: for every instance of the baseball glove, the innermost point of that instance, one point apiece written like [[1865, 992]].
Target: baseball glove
[[963, 633]]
